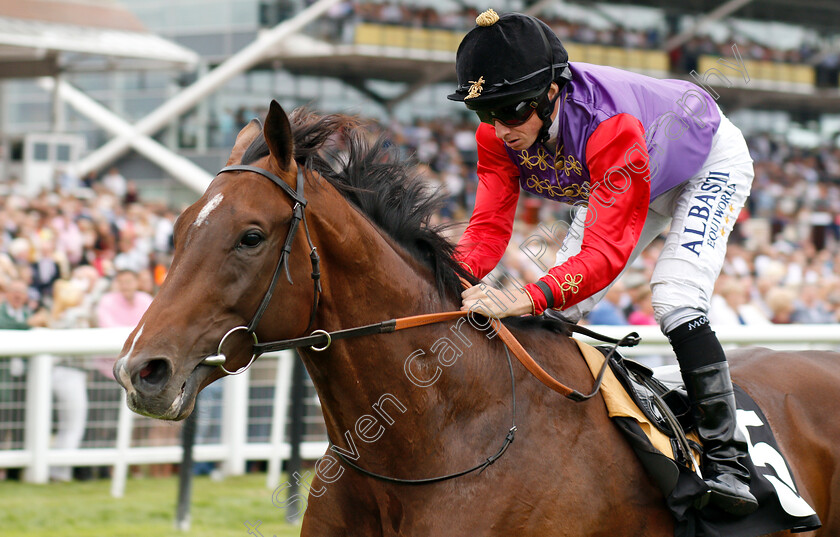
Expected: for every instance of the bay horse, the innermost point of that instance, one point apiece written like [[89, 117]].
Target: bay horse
[[427, 401]]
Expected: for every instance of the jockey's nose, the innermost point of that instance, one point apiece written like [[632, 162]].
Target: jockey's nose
[[151, 376]]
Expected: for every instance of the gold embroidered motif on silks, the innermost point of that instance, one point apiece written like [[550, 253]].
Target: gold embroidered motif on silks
[[540, 160], [571, 284], [576, 191], [555, 176], [567, 163], [475, 89], [544, 187]]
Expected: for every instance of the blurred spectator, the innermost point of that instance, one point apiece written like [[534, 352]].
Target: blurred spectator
[[68, 181], [635, 285], [45, 269], [16, 311], [132, 193], [124, 306], [69, 378], [809, 307], [115, 183], [780, 301], [730, 304], [642, 313], [608, 311]]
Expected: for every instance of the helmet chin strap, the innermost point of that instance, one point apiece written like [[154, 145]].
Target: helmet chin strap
[[545, 115], [545, 112]]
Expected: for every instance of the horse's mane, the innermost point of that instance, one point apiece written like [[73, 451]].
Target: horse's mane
[[369, 173]]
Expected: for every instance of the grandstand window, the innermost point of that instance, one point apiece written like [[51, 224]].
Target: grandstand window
[[41, 152], [16, 150], [62, 153]]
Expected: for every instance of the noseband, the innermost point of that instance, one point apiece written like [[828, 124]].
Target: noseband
[[298, 216]]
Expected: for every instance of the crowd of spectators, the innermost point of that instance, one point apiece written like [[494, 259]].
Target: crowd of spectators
[[89, 253], [69, 246]]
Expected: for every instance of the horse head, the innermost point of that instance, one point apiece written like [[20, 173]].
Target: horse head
[[227, 247]]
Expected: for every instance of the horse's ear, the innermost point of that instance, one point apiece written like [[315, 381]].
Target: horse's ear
[[278, 135], [243, 141]]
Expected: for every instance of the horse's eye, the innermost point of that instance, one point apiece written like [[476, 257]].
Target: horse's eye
[[251, 239]]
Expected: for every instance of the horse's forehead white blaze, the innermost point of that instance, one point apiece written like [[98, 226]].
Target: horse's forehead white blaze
[[207, 209]]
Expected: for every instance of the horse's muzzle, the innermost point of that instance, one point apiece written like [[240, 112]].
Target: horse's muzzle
[[153, 388]]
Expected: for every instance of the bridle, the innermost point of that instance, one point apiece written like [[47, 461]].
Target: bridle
[[298, 216], [325, 339]]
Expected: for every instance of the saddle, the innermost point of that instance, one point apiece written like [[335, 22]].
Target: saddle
[[663, 399], [651, 409]]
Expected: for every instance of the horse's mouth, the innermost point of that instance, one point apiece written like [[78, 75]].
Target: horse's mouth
[[164, 406]]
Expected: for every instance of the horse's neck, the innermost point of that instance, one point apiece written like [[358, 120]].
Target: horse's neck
[[416, 376], [369, 277]]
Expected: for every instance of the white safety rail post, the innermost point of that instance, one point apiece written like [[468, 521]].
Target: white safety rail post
[[125, 424], [38, 417], [235, 422], [282, 394]]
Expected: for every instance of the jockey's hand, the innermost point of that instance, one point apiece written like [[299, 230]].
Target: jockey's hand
[[506, 303]]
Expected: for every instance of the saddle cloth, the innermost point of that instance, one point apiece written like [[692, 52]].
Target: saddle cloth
[[631, 403]]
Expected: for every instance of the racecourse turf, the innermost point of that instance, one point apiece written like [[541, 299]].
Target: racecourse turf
[[86, 509]]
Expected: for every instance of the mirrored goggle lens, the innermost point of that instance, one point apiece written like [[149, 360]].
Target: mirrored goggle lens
[[512, 115]]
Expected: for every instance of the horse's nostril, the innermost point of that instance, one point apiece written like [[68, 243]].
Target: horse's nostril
[[153, 374]]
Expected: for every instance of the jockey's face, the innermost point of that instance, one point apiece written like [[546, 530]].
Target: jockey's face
[[523, 136]]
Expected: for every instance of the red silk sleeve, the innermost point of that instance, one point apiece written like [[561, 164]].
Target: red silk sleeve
[[491, 224], [617, 157]]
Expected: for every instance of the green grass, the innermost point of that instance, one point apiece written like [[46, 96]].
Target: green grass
[[86, 509]]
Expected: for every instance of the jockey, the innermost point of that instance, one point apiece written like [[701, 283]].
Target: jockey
[[637, 155]]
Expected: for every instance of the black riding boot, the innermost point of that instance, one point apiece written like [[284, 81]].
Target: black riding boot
[[713, 406], [706, 375]]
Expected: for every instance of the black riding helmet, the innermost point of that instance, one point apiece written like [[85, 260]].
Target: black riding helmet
[[505, 67]]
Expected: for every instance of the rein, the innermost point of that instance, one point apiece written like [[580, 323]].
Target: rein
[[324, 339]]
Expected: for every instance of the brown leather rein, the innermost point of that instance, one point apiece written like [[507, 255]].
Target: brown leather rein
[[320, 340]]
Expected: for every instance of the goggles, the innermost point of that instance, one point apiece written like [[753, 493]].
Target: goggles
[[513, 114]]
